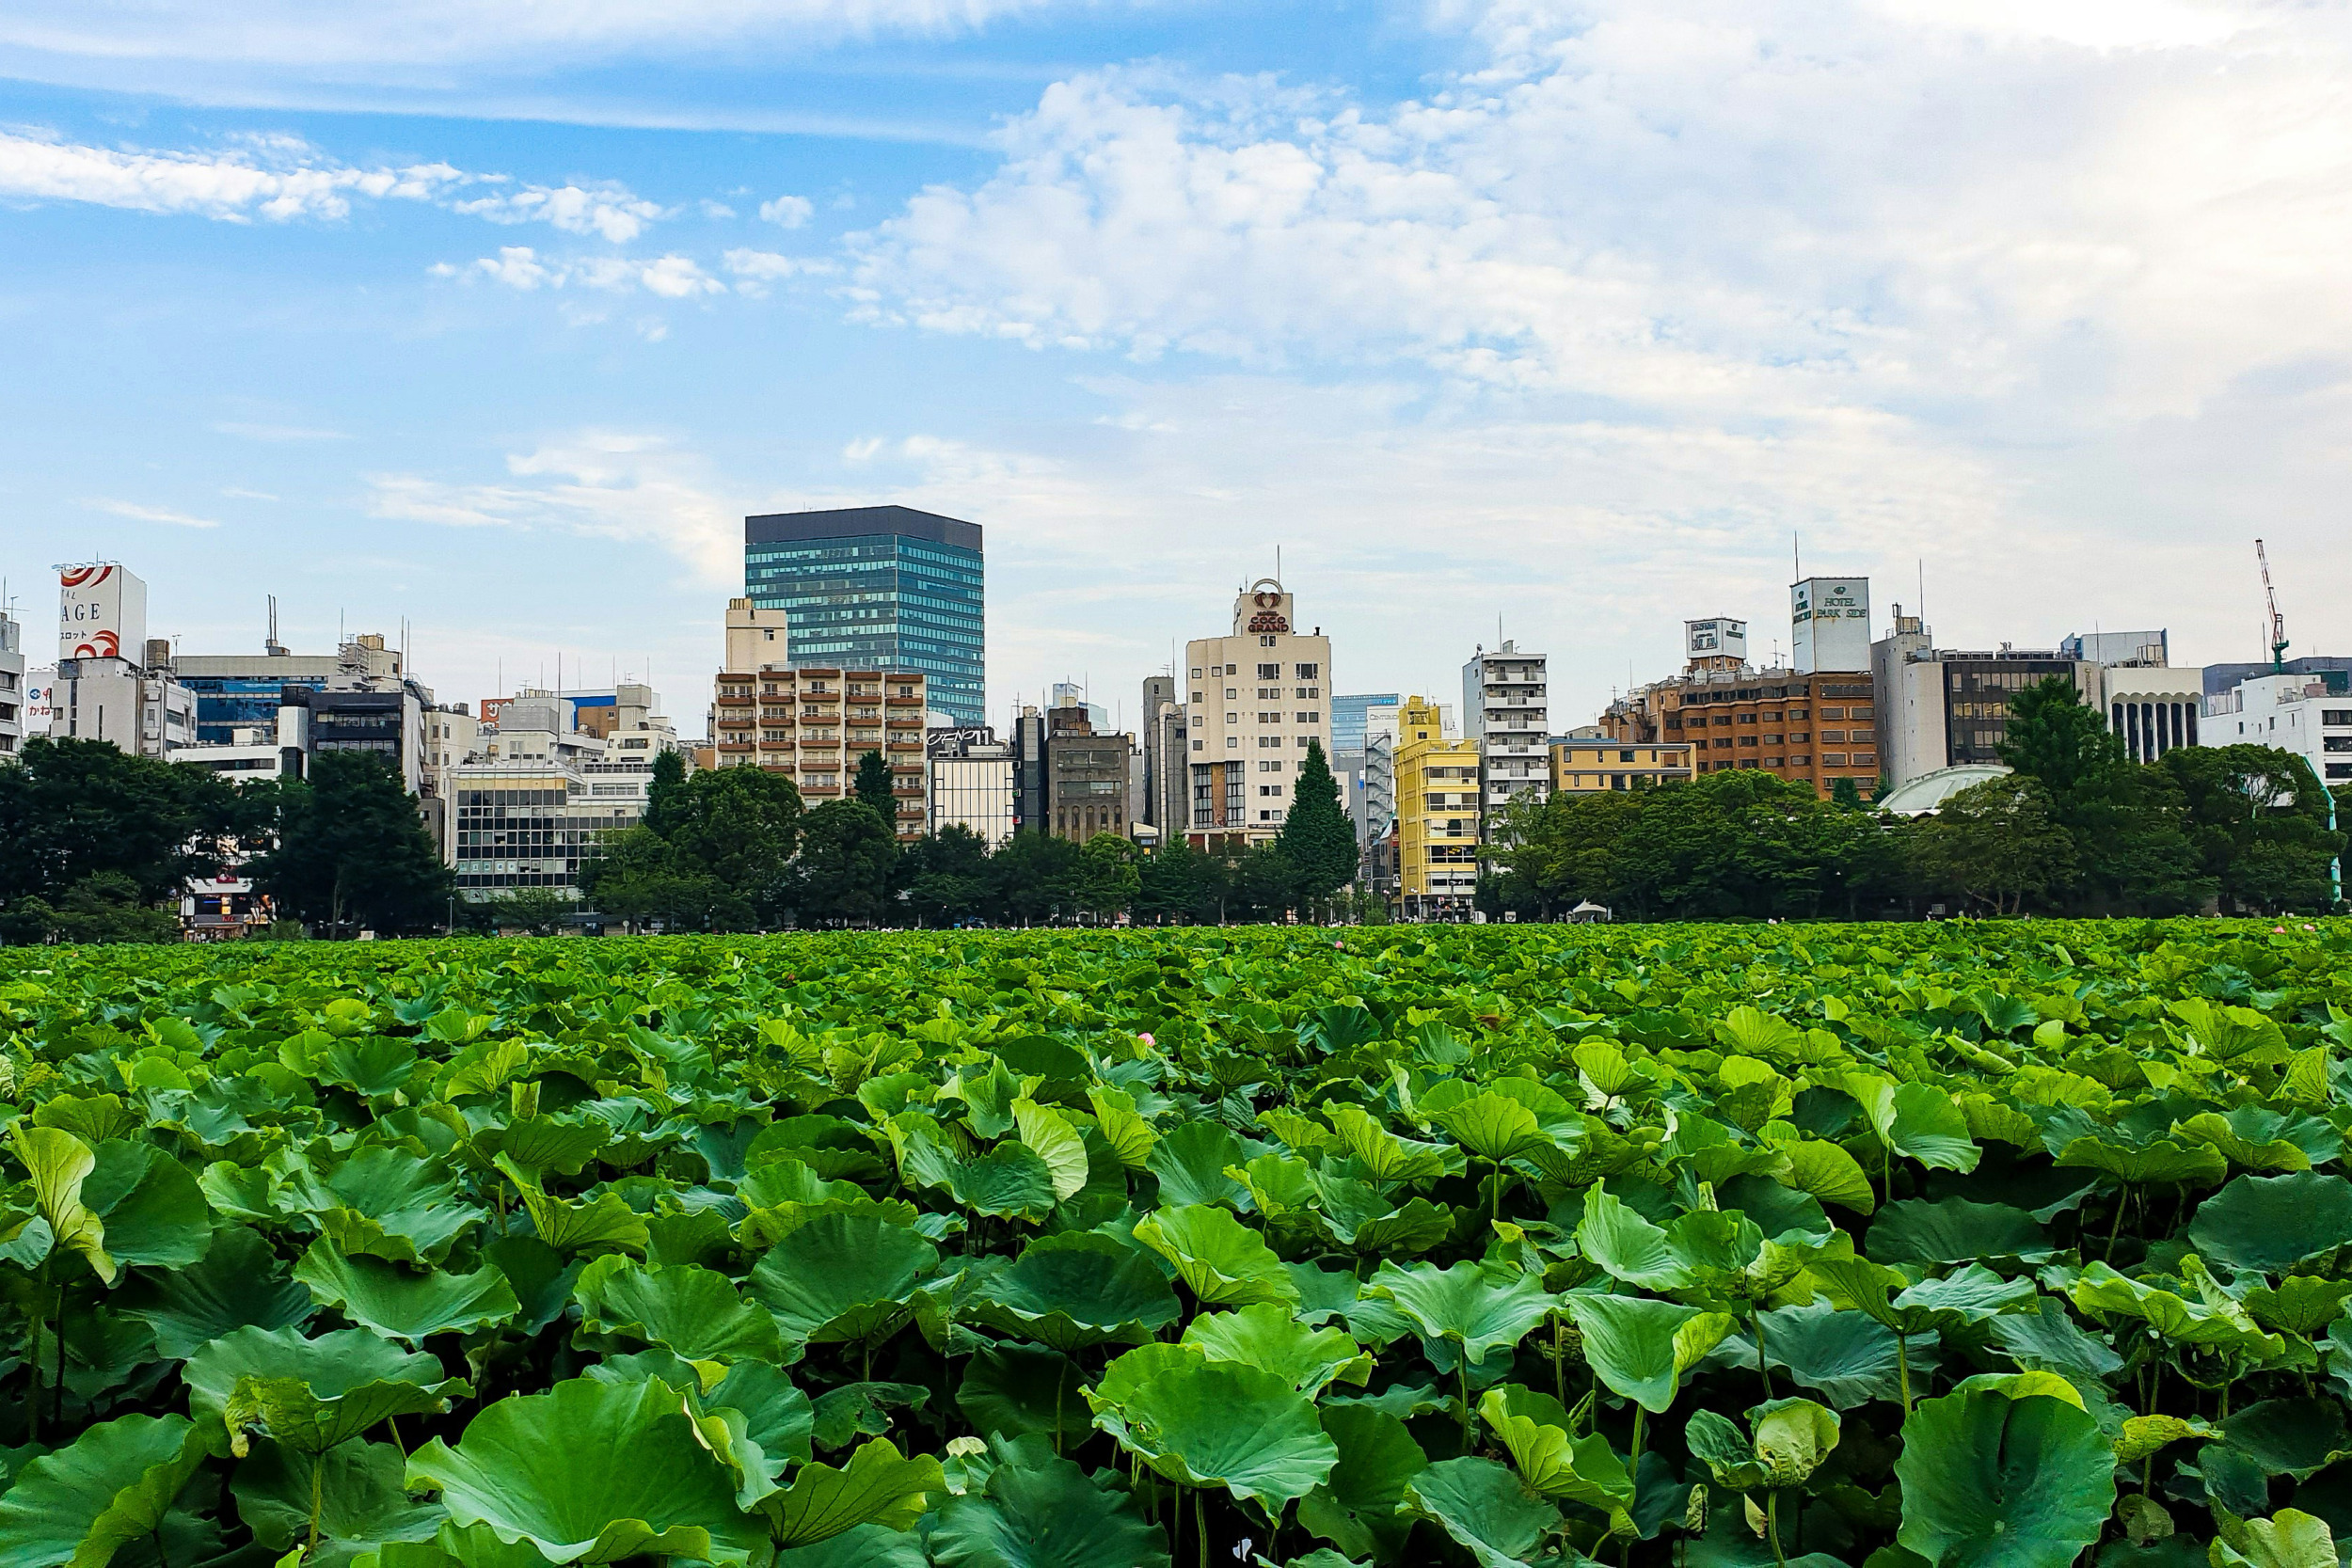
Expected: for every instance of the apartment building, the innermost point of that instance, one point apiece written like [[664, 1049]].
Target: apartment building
[[1258, 697], [2310, 715], [813, 722], [1088, 786], [1504, 710], [1586, 767], [1437, 815], [971, 782], [14, 697]]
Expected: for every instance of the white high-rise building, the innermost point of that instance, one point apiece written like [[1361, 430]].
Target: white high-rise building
[[15, 697], [1504, 709], [1257, 696]]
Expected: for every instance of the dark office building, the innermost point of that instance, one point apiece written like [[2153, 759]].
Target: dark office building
[[878, 587]]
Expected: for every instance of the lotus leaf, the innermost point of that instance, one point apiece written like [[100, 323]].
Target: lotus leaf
[[404, 1302], [1210, 1424], [1220, 1260], [357, 1488], [1486, 1510], [1640, 1347], [1355, 1506], [1477, 1306], [1270, 1338], [590, 1472], [2028, 1482], [843, 1279], [1535, 1431], [2272, 1223], [310, 1395], [239, 1284], [691, 1311], [112, 1485], [1077, 1290], [1037, 1511], [877, 1486]]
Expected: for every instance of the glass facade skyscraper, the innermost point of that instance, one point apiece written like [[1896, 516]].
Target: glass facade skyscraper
[[878, 587], [1347, 719]]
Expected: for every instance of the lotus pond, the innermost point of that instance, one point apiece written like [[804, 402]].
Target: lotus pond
[[2020, 1244]]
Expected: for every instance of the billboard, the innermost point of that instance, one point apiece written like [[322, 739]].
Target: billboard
[[102, 612], [1829, 623], [1717, 636], [40, 700]]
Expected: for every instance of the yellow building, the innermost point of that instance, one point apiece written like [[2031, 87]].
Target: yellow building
[[1587, 766], [1437, 814]]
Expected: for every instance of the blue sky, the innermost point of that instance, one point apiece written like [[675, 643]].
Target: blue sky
[[496, 318]]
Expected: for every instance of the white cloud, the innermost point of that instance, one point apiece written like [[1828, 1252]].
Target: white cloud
[[603, 484], [277, 180], [149, 514], [1707, 211], [671, 276], [716, 210], [280, 178], [378, 38], [607, 210], [788, 212]]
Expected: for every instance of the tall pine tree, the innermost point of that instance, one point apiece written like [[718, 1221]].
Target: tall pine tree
[[1317, 838], [874, 788]]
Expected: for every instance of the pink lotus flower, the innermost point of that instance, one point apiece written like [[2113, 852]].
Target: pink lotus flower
[[1146, 1040]]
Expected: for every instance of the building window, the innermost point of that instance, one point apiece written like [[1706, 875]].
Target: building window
[[1308, 672]]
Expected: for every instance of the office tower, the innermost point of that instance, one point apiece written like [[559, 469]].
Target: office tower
[[878, 587], [1258, 696]]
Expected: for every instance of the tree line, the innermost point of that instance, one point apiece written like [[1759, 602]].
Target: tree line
[[2077, 828], [735, 849]]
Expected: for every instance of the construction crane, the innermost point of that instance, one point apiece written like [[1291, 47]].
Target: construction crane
[[2277, 622]]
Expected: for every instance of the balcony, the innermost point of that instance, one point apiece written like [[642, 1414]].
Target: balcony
[[746, 701]]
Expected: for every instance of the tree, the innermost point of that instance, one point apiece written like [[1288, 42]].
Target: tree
[[740, 826], [1109, 878], [537, 912], [1265, 883], [352, 850], [640, 877], [1846, 795], [105, 906], [2257, 823], [73, 809], [1033, 876], [875, 789], [943, 877], [2054, 737], [1997, 842], [844, 869], [1179, 882], [1317, 838], [665, 795]]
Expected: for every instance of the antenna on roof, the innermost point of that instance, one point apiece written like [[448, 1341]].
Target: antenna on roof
[[1796, 557]]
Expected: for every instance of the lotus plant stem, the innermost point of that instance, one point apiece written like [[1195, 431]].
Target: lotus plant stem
[[1903, 1373], [2122, 1203], [1462, 1372], [1559, 1361], [1756, 1326], [158, 1533], [1061, 1376], [394, 1422], [1633, 1462], [36, 1310], [1771, 1526], [318, 1494], [1201, 1524], [57, 1408]]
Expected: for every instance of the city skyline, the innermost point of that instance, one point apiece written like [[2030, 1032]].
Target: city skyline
[[1580, 317]]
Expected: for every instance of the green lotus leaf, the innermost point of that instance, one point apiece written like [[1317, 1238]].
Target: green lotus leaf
[[404, 1302], [2230, 1033], [843, 1279], [860, 1546], [2047, 1339], [1916, 1120], [2288, 1539], [692, 1311], [60, 1165], [1955, 1230], [2103, 1291], [536, 1272], [310, 1395], [1488, 1511], [1213, 1424], [2263, 1139], [384, 1203], [2145, 1434], [1281, 1187], [112, 1485], [1478, 1306], [370, 1065], [1987, 1478], [1038, 1511], [1076, 1290], [153, 1211], [1270, 1338], [777, 1416], [1965, 1296], [1014, 1390], [2296, 1437], [358, 1489], [877, 1486], [1826, 1171], [1793, 1437], [2271, 1223], [2299, 1304], [603, 1223], [590, 1472], [1355, 1506], [1641, 1348], [1222, 1261], [94, 1118], [1190, 1163], [1491, 1126], [1627, 1246], [1535, 1431], [2160, 1162], [540, 1143], [240, 1284], [1728, 1453], [1384, 1156], [1848, 1358], [1048, 1133], [1008, 1181]]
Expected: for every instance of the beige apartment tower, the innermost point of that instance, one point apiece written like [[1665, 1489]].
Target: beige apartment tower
[[1257, 696]]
